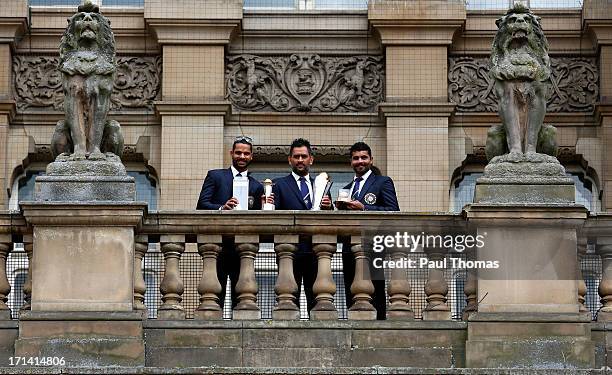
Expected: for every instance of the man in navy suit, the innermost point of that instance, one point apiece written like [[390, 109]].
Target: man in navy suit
[[369, 192], [296, 192], [216, 194]]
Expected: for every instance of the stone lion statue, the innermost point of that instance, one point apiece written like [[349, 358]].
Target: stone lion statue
[[520, 67], [87, 61]]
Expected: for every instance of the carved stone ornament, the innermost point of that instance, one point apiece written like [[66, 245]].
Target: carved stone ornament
[[305, 83], [316, 150], [38, 83], [573, 84]]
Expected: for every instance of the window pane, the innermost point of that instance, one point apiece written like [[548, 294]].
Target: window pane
[[129, 3], [269, 4], [55, 2], [341, 4]]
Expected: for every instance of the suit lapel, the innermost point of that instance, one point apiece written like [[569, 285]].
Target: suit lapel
[[293, 185]]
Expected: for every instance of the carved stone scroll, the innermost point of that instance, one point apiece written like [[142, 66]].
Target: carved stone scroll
[[573, 85], [305, 83], [38, 83]]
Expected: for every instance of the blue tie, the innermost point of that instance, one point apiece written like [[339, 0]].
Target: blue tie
[[356, 188], [305, 193]]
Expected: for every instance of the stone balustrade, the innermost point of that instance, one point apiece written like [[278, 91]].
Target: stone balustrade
[[175, 231]]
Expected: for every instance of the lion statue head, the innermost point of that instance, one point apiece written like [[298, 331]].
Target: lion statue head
[[520, 49], [88, 43]]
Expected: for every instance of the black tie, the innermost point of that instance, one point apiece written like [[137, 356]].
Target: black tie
[[239, 174], [305, 193], [356, 188]]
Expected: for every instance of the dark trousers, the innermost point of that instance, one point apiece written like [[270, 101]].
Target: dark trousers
[[305, 267], [228, 264], [379, 299]]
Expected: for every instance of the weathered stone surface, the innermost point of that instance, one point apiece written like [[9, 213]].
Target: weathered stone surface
[[8, 335], [292, 338], [177, 338], [404, 357], [300, 357], [196, 356], [85, 189], [388, 338]]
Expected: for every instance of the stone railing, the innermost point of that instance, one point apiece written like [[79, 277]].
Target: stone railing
[[174, 231]]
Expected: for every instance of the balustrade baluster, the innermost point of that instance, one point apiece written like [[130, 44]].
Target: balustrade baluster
[[28, 246], [436, 289], [324, 286], [172, 285], [286, 287], [140, 248], [399, 289], [605, 286], [247, 308], [362, 287], [5, 287], [209, 287]]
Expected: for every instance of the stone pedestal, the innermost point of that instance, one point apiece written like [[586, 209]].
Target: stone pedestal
[[89, 339], [528, 313], [83, 255]]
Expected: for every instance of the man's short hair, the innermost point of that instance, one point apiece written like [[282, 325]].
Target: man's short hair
[[360, 146], [243, 140], [300, 142]]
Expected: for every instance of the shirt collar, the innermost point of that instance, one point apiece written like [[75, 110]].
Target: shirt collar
[[235, 172], [364, 177], [297, 177]]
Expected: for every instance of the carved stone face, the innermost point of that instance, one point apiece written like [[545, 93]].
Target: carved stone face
[[305, 82], [87, 27], [519, 26]]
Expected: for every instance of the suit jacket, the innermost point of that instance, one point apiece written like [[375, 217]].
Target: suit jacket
[[287, 195], [218, 189], [381, 190]]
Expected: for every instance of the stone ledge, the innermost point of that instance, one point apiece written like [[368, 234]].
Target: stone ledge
[[287, 371]]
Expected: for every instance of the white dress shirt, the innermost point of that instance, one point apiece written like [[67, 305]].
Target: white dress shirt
[[365, 177], [308, 183]]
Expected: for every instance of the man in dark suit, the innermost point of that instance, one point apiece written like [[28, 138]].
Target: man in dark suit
[[216, 194], [296, 192], [369, 192]]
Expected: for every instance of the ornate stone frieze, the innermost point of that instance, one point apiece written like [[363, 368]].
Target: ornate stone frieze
[[272, 150], [305, 83], [573, 85], [38, 83]]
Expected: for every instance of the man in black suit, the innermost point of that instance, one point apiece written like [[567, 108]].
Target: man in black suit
[[369, 192], [296, 192], [216, 194]]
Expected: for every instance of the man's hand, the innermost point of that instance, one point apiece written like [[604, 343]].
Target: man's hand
[[355, 206], [326, 203], [270, 199], [230, 204]]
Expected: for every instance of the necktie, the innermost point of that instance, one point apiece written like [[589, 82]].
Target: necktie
[[356, 188], [305, 193], [239, 174]]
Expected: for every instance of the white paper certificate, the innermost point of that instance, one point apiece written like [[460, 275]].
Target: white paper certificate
[[241, 192]]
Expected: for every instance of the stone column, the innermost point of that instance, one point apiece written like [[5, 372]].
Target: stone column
[[399, 289], [604, 249], [209, 287], [193, 38], [324, 286], [597, 21], [5, 288], [286, 287], [416, 35], [13, 24], [171, 287], [362, 287], [140, 248], [436, 288]]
